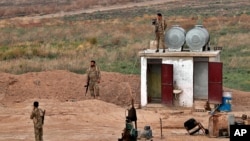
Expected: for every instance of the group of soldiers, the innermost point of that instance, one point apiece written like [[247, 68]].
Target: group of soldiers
[[93, 79]]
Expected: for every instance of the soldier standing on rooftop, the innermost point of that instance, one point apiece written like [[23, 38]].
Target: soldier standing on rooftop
[[160, 26]]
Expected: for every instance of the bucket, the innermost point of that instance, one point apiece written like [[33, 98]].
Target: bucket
[[226, 102]]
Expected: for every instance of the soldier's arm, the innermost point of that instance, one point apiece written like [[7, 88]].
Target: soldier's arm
[[165, 25]]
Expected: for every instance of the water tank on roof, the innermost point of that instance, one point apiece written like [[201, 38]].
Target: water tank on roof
[[197, 38], [175, 38]]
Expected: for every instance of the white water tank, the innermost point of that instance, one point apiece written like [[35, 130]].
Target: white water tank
[[197, 38], [175, 38]]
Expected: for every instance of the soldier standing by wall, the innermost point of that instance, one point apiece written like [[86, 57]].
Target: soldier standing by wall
[[160, 26], [37, 115], [93, 78]]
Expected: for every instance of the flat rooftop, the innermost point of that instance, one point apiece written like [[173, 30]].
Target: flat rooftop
[[152, 53]]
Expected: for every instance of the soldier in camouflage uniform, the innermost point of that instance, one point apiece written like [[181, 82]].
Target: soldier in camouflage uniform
[[160, 26], [37, 116], [93, 76]]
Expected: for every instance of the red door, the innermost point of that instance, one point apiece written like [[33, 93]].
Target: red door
[[215, 82], [167, 84]]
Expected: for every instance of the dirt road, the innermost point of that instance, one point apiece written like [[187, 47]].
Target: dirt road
[[97, 8]]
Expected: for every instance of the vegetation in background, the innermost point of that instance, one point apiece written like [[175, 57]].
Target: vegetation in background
[[15, 8], [114, 38]]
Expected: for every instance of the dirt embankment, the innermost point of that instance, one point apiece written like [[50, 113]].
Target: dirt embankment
[[72, 116], [66, 86]]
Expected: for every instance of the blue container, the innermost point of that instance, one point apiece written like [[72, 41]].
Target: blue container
[[226, 102]]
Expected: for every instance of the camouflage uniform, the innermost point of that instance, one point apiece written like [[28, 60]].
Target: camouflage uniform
[[94, 76], [160, 27], [36, 115]]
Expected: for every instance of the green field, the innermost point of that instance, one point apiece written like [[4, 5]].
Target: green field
[[114, 38]]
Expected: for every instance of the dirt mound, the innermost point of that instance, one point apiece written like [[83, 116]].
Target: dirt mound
[[66, 86], [70, 115]]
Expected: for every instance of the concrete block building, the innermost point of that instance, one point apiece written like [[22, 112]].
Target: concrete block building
[[179, 77]]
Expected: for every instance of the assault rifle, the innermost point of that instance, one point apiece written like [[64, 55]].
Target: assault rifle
[[87, 86], [43, 116]]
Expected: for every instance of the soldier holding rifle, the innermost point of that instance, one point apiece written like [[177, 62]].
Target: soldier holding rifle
[[93, 79], [37, 116]]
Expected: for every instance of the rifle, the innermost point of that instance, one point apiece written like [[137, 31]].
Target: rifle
[[87, 86], [43, 116]]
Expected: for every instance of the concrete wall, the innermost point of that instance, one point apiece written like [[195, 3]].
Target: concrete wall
[[183, 76], [183, 65], [214, 58], [144, 81]]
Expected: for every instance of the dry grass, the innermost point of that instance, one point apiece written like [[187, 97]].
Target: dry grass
[[113, 38], [15, 8], [234, 40]]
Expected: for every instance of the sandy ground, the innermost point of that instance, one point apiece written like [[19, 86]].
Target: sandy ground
[[71, 116]]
